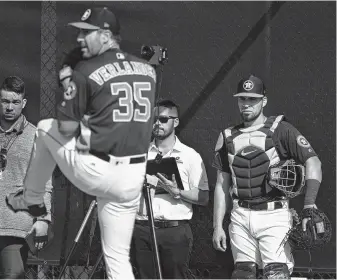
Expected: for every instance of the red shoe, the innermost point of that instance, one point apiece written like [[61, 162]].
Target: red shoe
[[16, 202]]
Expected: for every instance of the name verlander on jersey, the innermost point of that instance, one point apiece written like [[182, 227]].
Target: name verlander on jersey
[[112, 70]]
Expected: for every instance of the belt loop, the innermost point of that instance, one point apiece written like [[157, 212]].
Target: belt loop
[[270, 205]]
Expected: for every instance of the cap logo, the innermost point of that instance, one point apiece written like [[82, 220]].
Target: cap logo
[[86, 14], [248, 85], [106, 25]]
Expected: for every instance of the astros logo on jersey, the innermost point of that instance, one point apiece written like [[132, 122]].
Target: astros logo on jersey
[[248, 85], [302, 141], [70, 93]]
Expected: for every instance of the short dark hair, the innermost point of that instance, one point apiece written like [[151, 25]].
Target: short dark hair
[[116, 37], [167, 103], [15, 84]]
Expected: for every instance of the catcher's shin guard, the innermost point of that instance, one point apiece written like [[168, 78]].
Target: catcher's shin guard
[[245, 270], [276, 271]]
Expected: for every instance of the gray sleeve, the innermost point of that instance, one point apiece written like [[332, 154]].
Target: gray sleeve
[[48, 197]]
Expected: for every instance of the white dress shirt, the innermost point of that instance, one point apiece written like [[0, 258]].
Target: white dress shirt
[[193, 175]]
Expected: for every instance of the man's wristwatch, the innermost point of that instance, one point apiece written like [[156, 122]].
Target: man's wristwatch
[[177, 196]]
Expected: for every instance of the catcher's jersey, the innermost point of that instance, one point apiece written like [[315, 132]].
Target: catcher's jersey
[[286, 141], [112, 95]]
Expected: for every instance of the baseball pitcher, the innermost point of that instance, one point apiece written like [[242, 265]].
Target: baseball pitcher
[[101, 135]]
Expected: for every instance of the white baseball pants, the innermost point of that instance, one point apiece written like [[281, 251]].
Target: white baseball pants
[[117, 188], [256, 236]]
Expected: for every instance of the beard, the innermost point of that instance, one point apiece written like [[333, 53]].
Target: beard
[[249, 117], [161, 134]]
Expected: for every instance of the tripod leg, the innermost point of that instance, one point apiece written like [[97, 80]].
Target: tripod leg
[[99, 259], [78, 236], [148, 202], [92, 233]]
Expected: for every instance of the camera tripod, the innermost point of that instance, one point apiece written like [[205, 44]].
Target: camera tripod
[[92, 206], [148, 201]]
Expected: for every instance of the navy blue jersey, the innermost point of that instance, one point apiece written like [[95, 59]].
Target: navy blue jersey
[[113, 96], [288, 141]]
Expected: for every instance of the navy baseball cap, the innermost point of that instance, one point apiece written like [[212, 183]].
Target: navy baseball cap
[[251, 87], [98, 18]]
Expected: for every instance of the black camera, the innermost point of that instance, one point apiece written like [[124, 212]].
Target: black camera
[[155, 55], [3, 159]]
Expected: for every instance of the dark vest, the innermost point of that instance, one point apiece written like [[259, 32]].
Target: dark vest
[[251, 152]]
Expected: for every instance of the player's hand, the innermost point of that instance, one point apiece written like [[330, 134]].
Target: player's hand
[[40, 228], [170, 186], [65, 75], [219, 239], [306, 220]]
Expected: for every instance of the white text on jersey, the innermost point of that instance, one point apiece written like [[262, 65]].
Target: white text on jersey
[[109, 71]]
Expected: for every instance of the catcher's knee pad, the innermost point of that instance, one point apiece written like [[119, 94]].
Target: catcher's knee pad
[[244, 270], [276, 271]]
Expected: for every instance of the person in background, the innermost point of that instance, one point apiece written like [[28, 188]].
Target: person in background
[[16, 140], [172, 207]]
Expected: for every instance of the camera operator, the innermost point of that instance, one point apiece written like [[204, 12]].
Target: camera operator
[[16, 140], [172, 210]]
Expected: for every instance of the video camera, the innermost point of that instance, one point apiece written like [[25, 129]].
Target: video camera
[[155, 55]]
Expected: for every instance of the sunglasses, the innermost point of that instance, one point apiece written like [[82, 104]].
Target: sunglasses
[[163, 119]]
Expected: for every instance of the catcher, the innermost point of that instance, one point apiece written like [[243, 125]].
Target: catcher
[[256, 175]]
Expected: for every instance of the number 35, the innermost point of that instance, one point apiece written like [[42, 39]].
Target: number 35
[[132, 93]]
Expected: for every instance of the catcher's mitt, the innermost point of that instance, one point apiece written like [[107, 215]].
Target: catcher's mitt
[[72, 58], [317, 234]]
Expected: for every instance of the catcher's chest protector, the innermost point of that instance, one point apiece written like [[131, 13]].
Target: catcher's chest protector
[[250, 153]]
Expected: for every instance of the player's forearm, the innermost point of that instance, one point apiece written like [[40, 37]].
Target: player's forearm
[[222, 198], [313, 173], [195, 196], [219, 209]]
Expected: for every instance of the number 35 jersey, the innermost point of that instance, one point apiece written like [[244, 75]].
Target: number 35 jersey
[[112, 96]]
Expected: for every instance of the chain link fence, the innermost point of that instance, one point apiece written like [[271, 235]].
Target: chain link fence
[[197, 69], [48, 79]]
